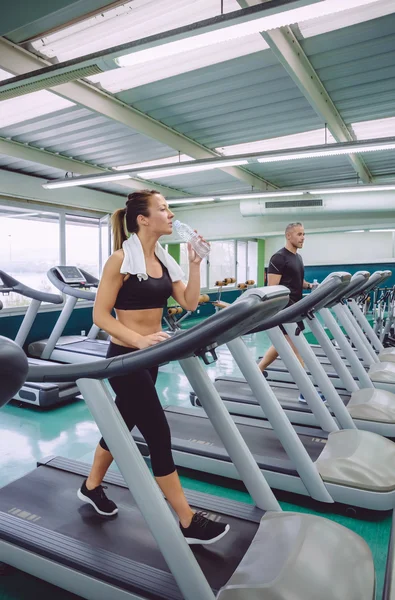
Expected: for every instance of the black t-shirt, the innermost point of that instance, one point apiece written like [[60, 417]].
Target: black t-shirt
[[290, 267]]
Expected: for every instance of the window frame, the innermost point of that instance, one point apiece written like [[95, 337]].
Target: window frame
[[101, 217], [61, 211]]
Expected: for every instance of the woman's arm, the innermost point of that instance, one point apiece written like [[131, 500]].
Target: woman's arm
[[187, 296]]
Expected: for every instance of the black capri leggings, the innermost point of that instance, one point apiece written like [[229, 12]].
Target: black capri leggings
[[139, 405]]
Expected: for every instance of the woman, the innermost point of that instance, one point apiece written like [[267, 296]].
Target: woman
[[138, 299]]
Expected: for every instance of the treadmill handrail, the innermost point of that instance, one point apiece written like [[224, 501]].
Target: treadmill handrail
[[356, 282], [216, 330], [308, 303], [69, 290], [20, 288], [374, 280]]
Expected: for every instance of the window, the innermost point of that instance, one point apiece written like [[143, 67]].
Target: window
[[222, 261], [241, 265], [184, 263], [29, 247], [252, 260], [83, 243]]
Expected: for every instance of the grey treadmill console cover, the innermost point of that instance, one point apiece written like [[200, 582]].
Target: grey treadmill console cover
[[358, 459], [371, 404], [295, 556]]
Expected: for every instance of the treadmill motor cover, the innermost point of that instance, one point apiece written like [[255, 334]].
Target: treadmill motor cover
[[294, 555], [371, 404], [382, 372], [358, 459]]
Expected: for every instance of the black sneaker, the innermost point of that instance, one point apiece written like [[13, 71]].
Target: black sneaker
[[98, 499], [203, 530]]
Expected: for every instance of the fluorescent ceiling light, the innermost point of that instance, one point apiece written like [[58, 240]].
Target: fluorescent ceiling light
[[130, 21], [84, 181], [352, 190], [380, 230], [154, 163], [270, 21], [158, 173], [190, 201], [356, 231], [351, 149], [117, 80], [274, 193]]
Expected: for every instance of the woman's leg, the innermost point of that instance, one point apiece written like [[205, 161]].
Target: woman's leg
[[101, 463], [173, 492]]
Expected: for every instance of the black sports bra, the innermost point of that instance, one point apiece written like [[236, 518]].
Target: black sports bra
[[147, 293]]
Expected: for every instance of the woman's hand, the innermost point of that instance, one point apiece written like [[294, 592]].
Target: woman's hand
[[193, 256], [146, 341]]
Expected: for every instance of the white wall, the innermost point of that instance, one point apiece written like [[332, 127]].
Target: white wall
[[340, 248], [223, 220]]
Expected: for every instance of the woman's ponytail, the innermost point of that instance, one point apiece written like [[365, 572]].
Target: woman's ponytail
[[124, 220], [118, 228]]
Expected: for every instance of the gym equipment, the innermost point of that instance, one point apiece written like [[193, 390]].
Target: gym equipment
[[43, 395], [43, 532]]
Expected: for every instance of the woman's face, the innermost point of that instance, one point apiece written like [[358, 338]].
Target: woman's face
[[160, 216]]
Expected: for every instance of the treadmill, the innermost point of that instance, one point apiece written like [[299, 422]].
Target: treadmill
[[355, 291], [339, 372], [368, 409], [76, 284], [43, 395], [350, 466], [141, 553]]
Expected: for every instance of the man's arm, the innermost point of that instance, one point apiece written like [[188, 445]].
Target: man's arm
[[307, 285], [273, 279]]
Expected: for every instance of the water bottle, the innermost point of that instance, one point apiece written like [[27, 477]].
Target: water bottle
[[186, 233], [315, 284]]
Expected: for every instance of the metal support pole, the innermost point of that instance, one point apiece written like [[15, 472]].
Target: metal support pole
[[321, 378], [364, 323], [354, 335], [59, 327], [349, 315], [145, 491], [279, 421], [302, 380], [334, 356], [356, 365], [230, 436], [27, 322]]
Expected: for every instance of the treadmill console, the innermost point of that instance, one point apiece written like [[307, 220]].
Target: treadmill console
[[70, 275]]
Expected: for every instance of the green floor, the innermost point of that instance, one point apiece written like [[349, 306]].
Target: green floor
[[27, 435]]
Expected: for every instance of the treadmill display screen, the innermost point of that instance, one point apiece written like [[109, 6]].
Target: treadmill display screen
[[70, 274]]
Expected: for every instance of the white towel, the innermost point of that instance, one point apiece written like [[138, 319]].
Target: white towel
[[134, 261]]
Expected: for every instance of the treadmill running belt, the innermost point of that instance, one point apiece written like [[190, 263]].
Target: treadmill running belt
[[91, 347], [47, 498], [196, 433], [238, 390]]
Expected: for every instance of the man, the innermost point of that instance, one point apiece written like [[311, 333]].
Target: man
[[286, 267]]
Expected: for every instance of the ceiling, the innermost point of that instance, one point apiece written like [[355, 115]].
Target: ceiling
[[202, 102]]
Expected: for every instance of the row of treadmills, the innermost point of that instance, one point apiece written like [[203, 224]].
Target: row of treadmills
[[141, 554]]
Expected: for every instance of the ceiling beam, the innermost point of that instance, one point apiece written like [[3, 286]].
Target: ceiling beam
[[57, 161], [18, 61], [291, 55]]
